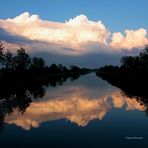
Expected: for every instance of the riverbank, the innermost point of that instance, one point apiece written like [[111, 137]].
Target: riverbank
[[27, 78]]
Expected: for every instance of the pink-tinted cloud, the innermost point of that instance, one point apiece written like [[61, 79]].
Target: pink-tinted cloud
[[131, 39], [79, 35], [77, 109], [77, 30]]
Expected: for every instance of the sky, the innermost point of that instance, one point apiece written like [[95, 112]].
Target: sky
[[92, 32]]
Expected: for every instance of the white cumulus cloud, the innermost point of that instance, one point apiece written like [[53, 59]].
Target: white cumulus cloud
[[131, 39], [78, 35], [75, 31]]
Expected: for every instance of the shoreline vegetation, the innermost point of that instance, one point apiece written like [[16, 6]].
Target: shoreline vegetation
[[23, 79], [131, 77], [133, 68], [20, 70]]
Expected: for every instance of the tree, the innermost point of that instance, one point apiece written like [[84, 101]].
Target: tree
[[22, 60], [8, 60], [140, 61], [1, 52], [54, 68], [37, 63], [144, 57], [62, 68], [74, 68]]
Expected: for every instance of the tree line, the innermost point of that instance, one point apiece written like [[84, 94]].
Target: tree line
[[139, 61], [137, 65], [22, 62]]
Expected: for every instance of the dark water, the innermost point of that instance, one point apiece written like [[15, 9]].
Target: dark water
[[87, 112]]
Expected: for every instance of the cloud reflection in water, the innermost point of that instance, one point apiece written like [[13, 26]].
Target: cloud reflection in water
[[77, 109]]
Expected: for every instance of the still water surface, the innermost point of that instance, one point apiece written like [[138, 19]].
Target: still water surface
[[87, 112]]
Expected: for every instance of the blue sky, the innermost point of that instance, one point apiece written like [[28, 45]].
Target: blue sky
[[117, 15], [81, 40]]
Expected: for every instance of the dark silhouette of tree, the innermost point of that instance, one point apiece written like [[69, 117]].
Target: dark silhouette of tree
[[53, 68], [21, 69], [130, 65], [127, 61], [144, 57], [62, 68], [8, 61], [22, 60], [37, 64], [74, 68], [140, 61], [1, 52], [6, 58], [23, 78], [131, 77]]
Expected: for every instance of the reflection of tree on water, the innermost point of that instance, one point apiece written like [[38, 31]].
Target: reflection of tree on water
[[135, 90], [19, 98], [131, 76], [142, 98]]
